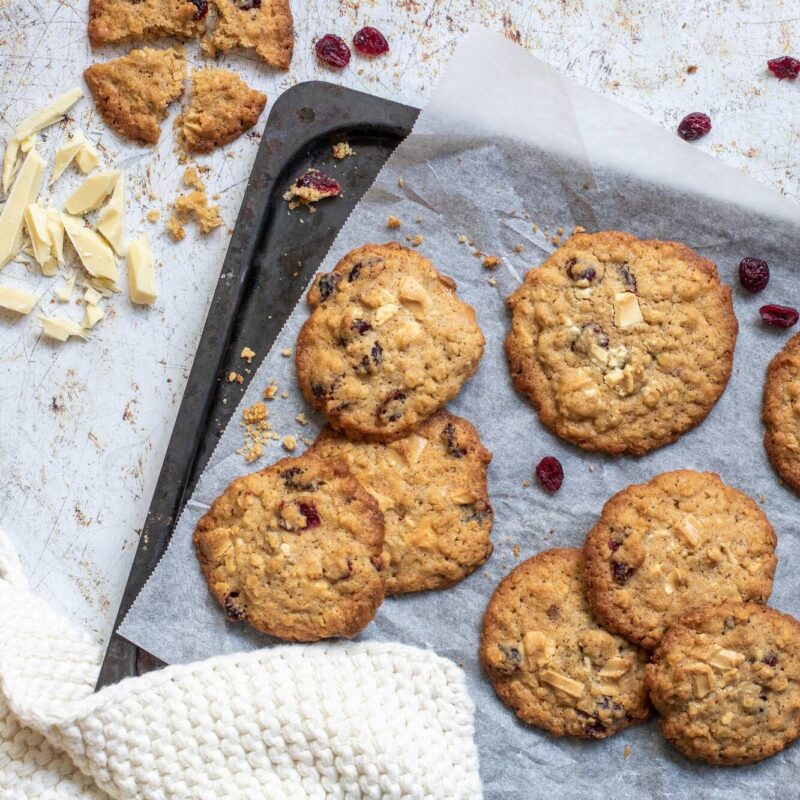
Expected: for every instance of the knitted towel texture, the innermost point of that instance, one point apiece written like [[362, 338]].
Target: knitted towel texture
[[334, 721]]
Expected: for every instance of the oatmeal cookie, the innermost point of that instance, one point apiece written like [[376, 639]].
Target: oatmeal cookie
[[123, 20], [683, 539], [621, 344], [782, 413], [726, 680], [222, 107], [261, 25], [431, 488], [295, 550], [388, 342], [551, 662], [132, 93]]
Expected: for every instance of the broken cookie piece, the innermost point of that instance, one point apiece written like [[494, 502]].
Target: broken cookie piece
[[122, 20], [311, 187], [262, 25], [222, 107], [132, 93]]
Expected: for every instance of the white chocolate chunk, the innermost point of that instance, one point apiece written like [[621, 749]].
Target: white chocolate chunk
[[95, 254], [36, 225], [92, 296], [688, 531], [721, 658], [626, 310], [563, 682], [47, 116], [17, 300], [539, 648], [60, 328], [615, 668], [87, 159], [64, 293], [703, 679], [141, 278], [67, 150], [92, 192], [385, 313], [55, 230], [92, 316], [24, 192], [111, 220]]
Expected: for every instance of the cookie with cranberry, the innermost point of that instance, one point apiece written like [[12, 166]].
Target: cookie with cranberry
[[123, 20], [295, 550], [261, 25], [551, 662], [388, 342], [683, 539], [431, 488], [132, 93], [782, 413], [621, 344], [726, 680]]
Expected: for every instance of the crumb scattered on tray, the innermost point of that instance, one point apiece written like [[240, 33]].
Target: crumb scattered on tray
[[176, 229], [301, 418], [256, 429], [192, 180], [310, 188], [235, 377], [290, 443], [491, 262], [691, 69], [626, 753], [415, 241], [462, 239], [342, 150], [152, 216], [248, 354], [393, 223], [519, 248], [492, 282], [401, 182], [286, 352], [516, 550], [270, 391], [195, 205]]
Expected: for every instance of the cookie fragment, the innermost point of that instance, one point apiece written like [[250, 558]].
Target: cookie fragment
[[132, 93], [781, 412], [388, 342], [123, 20], [551, 662], [726, 680], [683, 539], [221, 108], [295, 550], [431, 489], [262, 25], [621, 344]]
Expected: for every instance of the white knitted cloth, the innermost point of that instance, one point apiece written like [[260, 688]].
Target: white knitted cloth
[[345, 721]]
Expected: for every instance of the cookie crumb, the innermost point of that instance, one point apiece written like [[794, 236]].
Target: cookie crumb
[[301, 418], [311, 187], [248, 354], [306, 441], [270, 392], [525, 484], [462, 239], [626, 753], [516, 550], [152, 216], [691, 69], [195, 204], [762, 499], [176, 229], [256, 431], [289, 443], [401, 182], [555, 240], [285, 395], [560, 231], [235, 377], [518, 248], [342, 150], [393, 223], [415, 241], [492, 282], [286, 352], [491, 262], [191, 179], [578, 229]]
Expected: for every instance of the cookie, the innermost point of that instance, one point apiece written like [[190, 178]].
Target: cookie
[[726, 680], [222, 107], [295, 550], [551, 662], [621, 344], [123, 20], [388, 342], [132, 93], [782, 413], [261, 25], [683, 539], [431, 488]]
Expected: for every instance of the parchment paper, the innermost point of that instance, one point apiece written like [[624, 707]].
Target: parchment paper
[[504, 137]]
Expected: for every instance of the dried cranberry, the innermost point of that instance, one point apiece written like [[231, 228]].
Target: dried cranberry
[[354, 272], [320, 182], [309, 511], [779, 316], [595, 730], [784, 67], [328, 284], [580, 272], [247, 5], [333, 51], [753, 274], [693, 126], [550, 473], [361, 326], [288, 475], [391, 407], [553, 612], [234, 609], [319, 391], [614, 545], [449, 436], [202, 9], [480, 511], [377, 353], [370, 42], [770, 659], [629, 278], [621, 572]]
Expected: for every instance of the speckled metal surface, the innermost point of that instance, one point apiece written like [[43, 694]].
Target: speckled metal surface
[[84, 426]]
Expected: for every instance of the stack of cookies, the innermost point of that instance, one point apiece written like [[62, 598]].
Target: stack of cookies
[[392, 496]]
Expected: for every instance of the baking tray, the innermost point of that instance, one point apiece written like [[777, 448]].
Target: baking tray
[[270, 259]]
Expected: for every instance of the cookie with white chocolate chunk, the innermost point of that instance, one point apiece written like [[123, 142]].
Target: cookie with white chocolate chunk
[[683, 539], [551, 662], [621, 344], [726, 680], [431, 489], [388, 342]]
